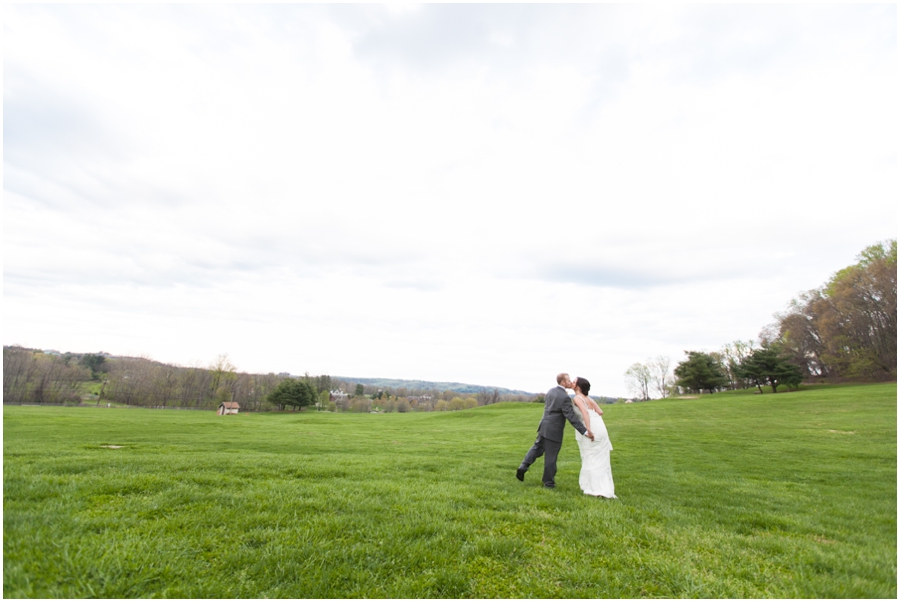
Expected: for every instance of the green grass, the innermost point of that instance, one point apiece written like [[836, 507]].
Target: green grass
[[732, 495]]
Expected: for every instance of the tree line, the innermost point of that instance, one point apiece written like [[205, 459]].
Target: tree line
[[33, 376], [845, 329]]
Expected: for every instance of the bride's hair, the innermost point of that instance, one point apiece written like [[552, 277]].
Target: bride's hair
[[583, 384]]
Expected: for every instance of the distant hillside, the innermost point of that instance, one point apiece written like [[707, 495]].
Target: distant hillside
[[604, 399], [426, 385], [397, 383]]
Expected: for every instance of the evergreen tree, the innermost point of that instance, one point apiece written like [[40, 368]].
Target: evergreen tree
[[700, 371], [293, 392], [770, 366]]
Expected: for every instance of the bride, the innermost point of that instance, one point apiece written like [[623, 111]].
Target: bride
[[596, 472]]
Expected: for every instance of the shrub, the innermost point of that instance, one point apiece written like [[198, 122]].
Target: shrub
[[361, 405]]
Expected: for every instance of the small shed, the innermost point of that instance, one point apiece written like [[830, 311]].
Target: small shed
[[228, 407]]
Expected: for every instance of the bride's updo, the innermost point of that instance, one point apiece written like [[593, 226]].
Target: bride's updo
[[583, 384]]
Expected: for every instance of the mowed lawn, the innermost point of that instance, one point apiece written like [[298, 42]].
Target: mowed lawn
[[731, 495]]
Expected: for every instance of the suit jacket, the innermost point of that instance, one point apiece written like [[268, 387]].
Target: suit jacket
[[558, 408]]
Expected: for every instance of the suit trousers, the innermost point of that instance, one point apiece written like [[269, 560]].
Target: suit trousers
[[550, 450]]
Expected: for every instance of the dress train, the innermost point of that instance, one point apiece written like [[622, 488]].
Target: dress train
[[596, 470]]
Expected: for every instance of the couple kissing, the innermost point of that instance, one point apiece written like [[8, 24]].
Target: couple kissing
[[593, 440]]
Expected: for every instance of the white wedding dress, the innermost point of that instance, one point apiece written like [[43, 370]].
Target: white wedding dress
[[596, 471]]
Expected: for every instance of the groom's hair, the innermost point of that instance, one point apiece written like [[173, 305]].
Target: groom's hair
[[561, 377], [583, 384]]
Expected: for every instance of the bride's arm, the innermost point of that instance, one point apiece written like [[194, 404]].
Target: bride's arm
[[584, 413], [596, 407]]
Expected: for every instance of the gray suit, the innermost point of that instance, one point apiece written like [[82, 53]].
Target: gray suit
[[557, 409]]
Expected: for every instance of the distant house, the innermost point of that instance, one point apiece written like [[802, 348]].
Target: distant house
[[337, 395], [422, 402], [228, 407], [629, 401]]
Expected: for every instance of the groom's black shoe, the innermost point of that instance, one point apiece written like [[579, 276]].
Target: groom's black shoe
[[520, 474]]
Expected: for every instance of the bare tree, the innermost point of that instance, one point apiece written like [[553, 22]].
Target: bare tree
[[223, 373], [732, 355], [638, 378], [19, 366], [165, 385], [659, 374], [487, 397]]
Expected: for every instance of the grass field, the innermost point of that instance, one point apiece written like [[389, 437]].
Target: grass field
[[731, 495]]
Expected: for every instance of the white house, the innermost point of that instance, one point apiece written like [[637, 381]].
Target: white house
[[228, 407]]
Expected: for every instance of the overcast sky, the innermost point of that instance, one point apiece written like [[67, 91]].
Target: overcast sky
[[488, 194]]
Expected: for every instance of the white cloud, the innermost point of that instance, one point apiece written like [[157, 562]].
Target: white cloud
[[485, 193]]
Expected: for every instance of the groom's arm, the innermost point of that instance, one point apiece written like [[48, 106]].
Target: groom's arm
[[568, 410]]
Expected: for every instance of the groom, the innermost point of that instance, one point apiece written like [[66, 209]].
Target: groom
[[557, 409]]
